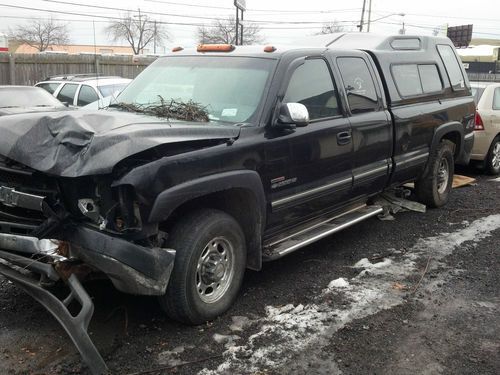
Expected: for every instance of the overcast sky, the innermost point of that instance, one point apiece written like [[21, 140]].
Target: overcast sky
[[279, 20]]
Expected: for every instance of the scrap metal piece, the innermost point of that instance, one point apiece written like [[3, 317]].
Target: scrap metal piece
[[75, 326]]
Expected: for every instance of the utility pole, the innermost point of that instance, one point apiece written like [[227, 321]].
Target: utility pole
[[240, 5], [241, 31], [237, 25], [369, 16], [140, 27], [360, 26], [154, 38]]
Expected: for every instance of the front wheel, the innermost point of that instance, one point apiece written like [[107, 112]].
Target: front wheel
[[209, 265], [493, 157], [433, 188]]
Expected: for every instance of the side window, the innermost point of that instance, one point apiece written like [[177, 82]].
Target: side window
[[359, 85], [67, 93], [452, 68], [413, 79], [311, 84], [50, 87], [431, 81], [86, 95], [496, 99], [407, 79]]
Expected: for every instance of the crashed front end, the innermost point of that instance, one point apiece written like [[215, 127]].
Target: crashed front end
[[58, 229]]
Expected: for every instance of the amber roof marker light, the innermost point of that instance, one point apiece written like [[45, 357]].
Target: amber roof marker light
[[215, 48], [269, 49], [177, 49]]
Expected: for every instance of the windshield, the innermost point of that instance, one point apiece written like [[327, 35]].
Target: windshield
[[228, 88], [27, 97], [114, 89]]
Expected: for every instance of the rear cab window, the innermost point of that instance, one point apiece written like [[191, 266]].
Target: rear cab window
[[416, 79], [452, 67], [359, 85], [311, 84]]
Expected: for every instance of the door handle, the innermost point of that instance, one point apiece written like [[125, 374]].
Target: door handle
[[343, 138]]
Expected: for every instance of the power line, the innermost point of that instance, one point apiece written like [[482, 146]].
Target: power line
[[179, 15], [452, 17], [159, 22], [254, 10]]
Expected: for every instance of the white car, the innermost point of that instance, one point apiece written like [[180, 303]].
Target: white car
[[486, 148], [81, 89]]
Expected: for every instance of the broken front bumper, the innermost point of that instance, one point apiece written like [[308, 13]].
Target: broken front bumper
[[33, 264]]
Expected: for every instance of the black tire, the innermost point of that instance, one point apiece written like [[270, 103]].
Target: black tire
[[492, 161], [433, 188], [218, 237]]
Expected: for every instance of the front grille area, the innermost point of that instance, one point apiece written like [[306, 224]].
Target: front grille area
[[24, 179]]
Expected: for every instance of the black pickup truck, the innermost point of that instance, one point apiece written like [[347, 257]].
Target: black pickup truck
[[216, 159]]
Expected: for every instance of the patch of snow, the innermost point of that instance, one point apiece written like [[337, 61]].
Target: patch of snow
[[338, 283], [495, 179], [292, 336], [171, 357], [225, 339], [240, 323]]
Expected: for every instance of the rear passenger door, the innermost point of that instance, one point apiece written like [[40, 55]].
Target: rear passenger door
[[370, 122]]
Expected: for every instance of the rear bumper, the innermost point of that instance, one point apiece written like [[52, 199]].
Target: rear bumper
[[482, 143], [465, 153]]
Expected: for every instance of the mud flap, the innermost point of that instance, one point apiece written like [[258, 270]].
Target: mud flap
[[75, 326]]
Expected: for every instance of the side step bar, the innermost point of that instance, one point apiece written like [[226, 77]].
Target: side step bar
[[277, 249]]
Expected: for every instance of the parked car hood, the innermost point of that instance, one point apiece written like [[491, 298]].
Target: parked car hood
[[19, 110], [81, 143]]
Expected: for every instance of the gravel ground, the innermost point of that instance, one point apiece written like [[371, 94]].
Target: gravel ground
[[415, 295]]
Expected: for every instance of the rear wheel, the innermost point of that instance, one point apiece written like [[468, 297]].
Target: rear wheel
[[493, 157], [209, 266], [433, 188]]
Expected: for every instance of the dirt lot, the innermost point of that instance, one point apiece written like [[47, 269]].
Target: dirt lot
[[419, 294]]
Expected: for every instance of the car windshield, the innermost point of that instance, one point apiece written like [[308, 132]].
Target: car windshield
[[477, 92], [113, 89], [27, 97], [229, 89]]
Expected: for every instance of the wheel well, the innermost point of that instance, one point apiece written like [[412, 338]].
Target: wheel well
[[242, 205], [454, 136]]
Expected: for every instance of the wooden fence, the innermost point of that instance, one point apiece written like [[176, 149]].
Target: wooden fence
[[487, 77], [28, 69]]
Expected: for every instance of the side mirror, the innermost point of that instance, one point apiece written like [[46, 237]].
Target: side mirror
[[293, 114]]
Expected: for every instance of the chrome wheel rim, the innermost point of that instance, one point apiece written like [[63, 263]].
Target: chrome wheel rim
[[215, 270], [495, 159], [443, 176]]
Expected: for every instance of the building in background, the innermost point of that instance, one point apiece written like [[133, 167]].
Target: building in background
[[4, 43], [482, 56], [77, 48]]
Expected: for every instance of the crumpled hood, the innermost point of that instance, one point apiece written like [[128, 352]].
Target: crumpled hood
[[80, 143]]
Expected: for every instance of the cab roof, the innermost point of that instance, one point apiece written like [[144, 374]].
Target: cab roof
[[342, 41]]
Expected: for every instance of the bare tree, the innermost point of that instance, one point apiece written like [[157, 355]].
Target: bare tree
[[139, 31], [223, 31], [40, 33], [332, 27]]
